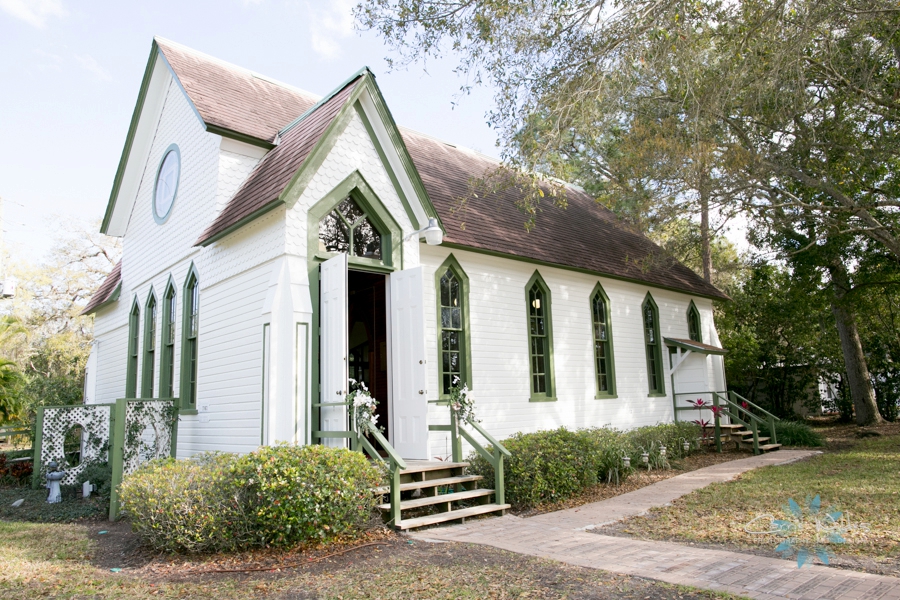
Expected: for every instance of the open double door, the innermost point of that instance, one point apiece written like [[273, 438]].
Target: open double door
[[404, 323]]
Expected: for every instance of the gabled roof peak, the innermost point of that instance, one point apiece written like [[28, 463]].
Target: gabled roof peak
[[163, 42]]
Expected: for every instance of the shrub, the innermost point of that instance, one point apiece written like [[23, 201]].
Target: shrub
[[99, 473], [276, 496], [549, 466], [794, 433], [189, 505], [301, 493], [545, 466]]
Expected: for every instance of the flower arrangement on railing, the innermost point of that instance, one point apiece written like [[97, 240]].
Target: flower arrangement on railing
[[462, 402], [363, 405]]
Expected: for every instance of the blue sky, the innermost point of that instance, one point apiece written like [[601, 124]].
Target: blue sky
[[71, 70]]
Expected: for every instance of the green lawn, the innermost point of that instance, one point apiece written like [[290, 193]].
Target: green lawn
[[863, 481], [52, 560]]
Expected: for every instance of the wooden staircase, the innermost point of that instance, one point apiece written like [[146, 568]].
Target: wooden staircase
[[442, 491], [743, 438]]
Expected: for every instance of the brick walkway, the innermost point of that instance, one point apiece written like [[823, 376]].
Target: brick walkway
[[561, 536]]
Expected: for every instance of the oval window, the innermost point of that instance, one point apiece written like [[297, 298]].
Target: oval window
[[166, 186]]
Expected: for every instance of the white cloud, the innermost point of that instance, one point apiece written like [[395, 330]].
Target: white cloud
[[89, 64], [329, 26], [34, 12], [250, 2]]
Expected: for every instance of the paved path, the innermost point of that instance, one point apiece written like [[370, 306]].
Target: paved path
[[561, 536]]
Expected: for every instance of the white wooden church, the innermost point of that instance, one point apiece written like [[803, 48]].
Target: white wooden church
[[277, 244]]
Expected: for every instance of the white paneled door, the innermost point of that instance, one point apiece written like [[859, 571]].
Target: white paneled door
[[409, 427], [334, 337]]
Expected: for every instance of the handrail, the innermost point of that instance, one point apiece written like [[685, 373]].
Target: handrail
[[385, 445], [495, 458], [760, 409], [735, 411]]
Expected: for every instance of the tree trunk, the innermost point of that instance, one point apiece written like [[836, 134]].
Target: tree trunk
[[858, 379], [705, 253]]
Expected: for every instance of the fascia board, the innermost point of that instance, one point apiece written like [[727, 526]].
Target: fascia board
[[137, 143], [401, 163]]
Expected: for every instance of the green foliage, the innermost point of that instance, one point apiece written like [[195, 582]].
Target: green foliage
[[553, 465], [192, 505], [99, 473], [276, 496], [14, 473], [794, 433], [302, 493]]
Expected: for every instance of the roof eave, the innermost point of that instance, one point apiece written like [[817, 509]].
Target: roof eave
[[114, 296], [129, 139]]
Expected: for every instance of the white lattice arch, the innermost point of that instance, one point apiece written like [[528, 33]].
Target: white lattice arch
[[94, 421], [152, 414]]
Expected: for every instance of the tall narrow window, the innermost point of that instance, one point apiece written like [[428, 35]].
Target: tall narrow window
[[167, 361], [134, 324], [653, 346], [694, 330], [603, 356], [540, 339], [189, 347], [149, 347], [452, 288]]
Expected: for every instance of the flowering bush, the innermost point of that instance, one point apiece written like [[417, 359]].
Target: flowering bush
[[462, 402], [363, 405]]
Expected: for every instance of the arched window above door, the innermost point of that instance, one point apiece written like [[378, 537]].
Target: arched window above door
[[349, 229]]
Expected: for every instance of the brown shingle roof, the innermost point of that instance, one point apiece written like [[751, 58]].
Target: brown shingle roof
[[584, 236], [273, 173], [106, 290], [232, 98]]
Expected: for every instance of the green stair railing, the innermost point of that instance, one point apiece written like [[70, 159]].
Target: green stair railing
[[742, 411], [494, 456], [360, 442]]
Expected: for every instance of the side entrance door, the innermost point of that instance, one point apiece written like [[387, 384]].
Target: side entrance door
[[333, 354], [409, 398]]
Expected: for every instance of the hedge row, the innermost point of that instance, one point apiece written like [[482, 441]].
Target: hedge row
[[276, 496], [549, 466]]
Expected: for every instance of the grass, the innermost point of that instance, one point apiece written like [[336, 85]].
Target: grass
[[863, 481], [52, 560]]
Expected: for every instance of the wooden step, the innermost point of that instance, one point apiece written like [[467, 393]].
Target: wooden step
[[731, 426], [430, 465], [439, 499], [452, 515], [417, 485], [760, 439], [769, 447]]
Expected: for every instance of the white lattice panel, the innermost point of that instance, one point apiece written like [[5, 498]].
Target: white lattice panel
[[154, 440], [94, 422]]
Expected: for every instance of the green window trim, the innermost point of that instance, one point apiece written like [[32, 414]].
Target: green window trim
[[653, 345], [134, 324], [149, 358], [542, 384], [464, 347], [695, 323], [356, 187], [167, 341], [190, 339], [602, 336]]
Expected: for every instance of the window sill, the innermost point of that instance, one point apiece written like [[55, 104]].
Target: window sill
[[188, 411], [657, 395], [542, 398], [606, 396]]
